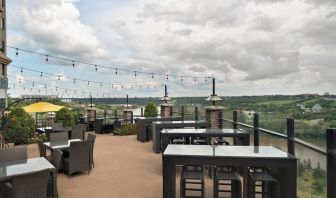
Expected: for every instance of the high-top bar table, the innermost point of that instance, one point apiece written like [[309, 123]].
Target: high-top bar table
[[240, 137], [60, 144], [283, 165], [141, 122], [9, 169], [159, 125]]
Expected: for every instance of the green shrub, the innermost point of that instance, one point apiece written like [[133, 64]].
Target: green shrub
[[128, 129], [19, 126], [150, 109], [66, 116]]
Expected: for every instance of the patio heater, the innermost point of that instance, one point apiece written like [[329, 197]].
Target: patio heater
[[91, 113], [166, 106], [213, 113], [128, 112]]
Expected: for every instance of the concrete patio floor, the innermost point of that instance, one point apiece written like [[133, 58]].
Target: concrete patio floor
[[124, 168]]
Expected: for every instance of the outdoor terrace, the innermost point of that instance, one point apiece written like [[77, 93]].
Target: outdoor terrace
[[123, 168]]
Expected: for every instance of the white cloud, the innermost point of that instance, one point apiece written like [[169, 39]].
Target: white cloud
[[250, 46]]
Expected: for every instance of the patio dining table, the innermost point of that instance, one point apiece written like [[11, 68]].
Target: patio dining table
[[143, 134], [240, 137], [60, 144], [283, 165], [9, 169], [160, 125]]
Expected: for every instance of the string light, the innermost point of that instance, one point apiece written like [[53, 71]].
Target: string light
[[74, 80], [21, 70], [96, 68], [41, 75], [33, 84], [90, 64], [152, 75], [59, 77], [88, 83], [167, 77], [116, 71]]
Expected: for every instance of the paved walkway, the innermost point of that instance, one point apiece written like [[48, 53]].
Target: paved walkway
[[124, 168]]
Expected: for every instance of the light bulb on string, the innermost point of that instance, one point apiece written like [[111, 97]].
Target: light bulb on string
[[116, 71], [74, 80], [33, 84], [45, 86], [14, 86], [167, 77], [112, 85], [41, 75], [152, 75], [73, 63], [17, 52], [59, 77], [135, 74], [101, 85], [47, 58], [21, 70], [88, 83], [96, 68]]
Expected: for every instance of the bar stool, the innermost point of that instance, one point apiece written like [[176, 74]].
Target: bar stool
[[221, 141], [199, 141], [178, 141], [227, 177], [262, 179], [192, 175]]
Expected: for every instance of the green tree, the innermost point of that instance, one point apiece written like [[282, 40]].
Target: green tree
[[66, 116], [19, 126], [151, 109]]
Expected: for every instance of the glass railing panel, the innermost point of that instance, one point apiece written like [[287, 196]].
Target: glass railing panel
[[312, 175], [311, 131], [273, 122]]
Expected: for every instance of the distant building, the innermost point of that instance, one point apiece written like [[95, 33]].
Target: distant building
[[4, 60], [316, 108], [302, 107], [326, 94], [68, 100]]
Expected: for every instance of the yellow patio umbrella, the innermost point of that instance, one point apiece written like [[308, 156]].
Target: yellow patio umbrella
[[42, 107]]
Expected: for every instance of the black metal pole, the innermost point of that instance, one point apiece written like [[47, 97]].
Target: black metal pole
[[182, 113], [235, 120], [290, 136], [127, 101], [331, 163], [142, 111], [166, 93], [256, 129], [91, 100], [213, 90], [104, 115], [196, 113]]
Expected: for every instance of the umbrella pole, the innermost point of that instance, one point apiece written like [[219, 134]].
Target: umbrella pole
[[36, 120]]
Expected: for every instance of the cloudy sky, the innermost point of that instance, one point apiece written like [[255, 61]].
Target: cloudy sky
[[251, 47]]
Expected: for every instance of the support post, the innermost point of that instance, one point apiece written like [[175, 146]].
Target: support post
[[115, 115], [182, 113], [235, 119], [196, 113], [104, 115], [290, 136], [256, 129], [331, 163], [142, 112]]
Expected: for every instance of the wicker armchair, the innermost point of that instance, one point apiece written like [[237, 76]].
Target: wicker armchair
[[61, 136], [79, 157], [92, 138], [31, 185], [56, 161], [77, 132], [13, 154], [57, 125]]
